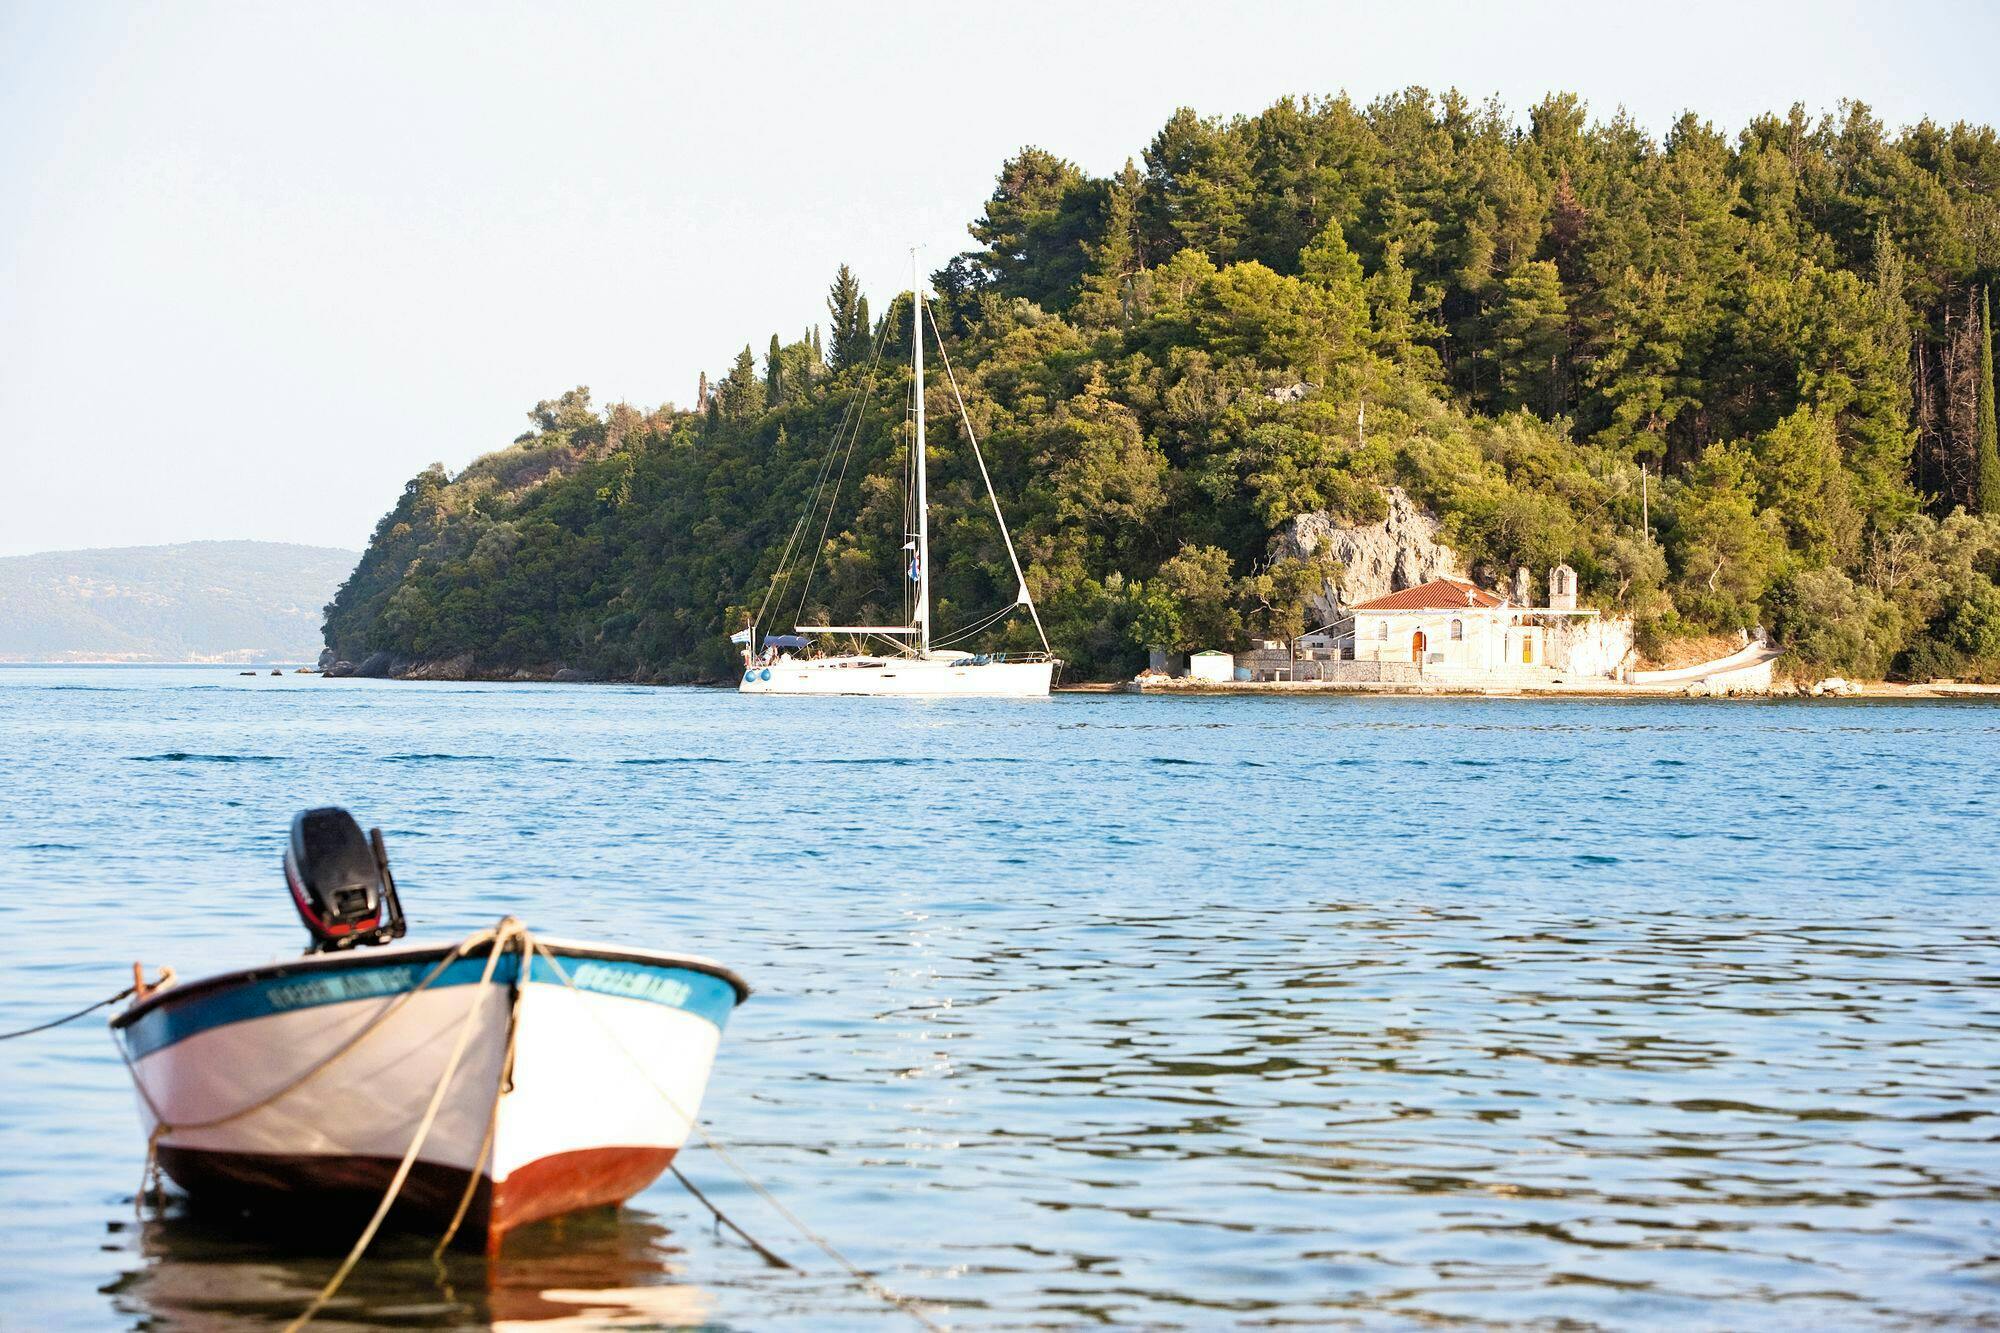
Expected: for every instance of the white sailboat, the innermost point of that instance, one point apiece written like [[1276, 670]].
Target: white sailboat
[[913, 665]]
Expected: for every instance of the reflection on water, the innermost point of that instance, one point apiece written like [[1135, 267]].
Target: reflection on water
[[1133, 1012], [607, 1268]]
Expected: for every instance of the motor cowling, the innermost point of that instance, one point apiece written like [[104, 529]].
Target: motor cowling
[[340, 881]]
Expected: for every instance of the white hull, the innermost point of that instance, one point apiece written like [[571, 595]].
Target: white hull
[[607, 1076], [901, 677]]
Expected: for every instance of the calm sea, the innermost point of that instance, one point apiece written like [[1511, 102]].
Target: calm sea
[[1097, 1011]]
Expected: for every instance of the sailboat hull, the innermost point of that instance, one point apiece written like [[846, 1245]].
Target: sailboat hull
[[901, 678]]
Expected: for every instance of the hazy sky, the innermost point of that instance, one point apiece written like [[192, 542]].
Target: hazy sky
[[261, 263]]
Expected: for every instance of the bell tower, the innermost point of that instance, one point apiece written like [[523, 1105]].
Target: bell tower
[[1562, 588]]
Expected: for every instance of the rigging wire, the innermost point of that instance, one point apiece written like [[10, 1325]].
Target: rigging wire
[[783, 572], [850, 417], [764, 1251], [980, 458], [959, 635], [833, 500], [909, 508]]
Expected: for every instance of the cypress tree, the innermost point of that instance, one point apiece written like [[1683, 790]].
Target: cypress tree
[[1987, 480], [738, 394], [848, 310], [774, 379]]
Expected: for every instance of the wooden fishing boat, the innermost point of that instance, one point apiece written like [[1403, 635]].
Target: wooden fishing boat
[[518, 1077]]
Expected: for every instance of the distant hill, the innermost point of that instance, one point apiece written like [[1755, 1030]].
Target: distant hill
[[189, 602]]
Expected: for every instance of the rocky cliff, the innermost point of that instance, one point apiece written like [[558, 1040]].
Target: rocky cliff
[[1376, 559]]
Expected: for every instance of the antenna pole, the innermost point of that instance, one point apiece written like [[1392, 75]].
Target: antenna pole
[[923, 497]]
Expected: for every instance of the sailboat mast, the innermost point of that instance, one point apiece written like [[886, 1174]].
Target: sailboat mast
[[923, 497]]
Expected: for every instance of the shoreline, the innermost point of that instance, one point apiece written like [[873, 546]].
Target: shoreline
[[1879, 690], [1867, 690]]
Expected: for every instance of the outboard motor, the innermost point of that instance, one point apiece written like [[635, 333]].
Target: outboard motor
[[340, 881]]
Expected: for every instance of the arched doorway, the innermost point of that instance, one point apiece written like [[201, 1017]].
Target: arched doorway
[[1417, 645]]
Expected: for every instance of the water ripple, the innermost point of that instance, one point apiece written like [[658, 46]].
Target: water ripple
[[1134, 1012]]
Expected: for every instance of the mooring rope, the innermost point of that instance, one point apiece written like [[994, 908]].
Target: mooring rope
[[864, 1279], [724, 1219], [504, 934], [500, 1087], [166, 979]]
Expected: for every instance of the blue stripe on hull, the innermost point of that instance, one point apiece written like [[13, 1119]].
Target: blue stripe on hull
[[698, 993]]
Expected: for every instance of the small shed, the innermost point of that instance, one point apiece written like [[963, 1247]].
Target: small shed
[[1212, 666]]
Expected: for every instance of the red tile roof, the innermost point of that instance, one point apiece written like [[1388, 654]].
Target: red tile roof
[[1437, 595]]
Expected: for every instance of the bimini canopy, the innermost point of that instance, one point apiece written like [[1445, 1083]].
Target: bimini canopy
[[784, 640]]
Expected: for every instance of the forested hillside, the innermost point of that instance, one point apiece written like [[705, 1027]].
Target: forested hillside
[[189, 602], [1509, 316]]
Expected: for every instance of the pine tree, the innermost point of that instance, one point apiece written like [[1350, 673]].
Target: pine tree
[[1329, 265], [1401, 328], [1197, 187], [1327, 262], [1114, 258], [1988, 480], [1036, 229], [1530, 341]]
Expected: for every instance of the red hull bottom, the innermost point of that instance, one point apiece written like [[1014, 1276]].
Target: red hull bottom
[[302, 1182]]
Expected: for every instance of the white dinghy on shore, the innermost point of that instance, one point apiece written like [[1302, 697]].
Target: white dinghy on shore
[[488, 1083]]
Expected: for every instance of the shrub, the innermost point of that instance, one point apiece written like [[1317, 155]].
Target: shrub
[[1829, 626]]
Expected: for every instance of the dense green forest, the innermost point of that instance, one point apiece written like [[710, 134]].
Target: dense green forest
[[1510, 317]]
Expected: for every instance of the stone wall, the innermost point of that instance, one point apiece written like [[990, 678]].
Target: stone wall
[[1589, 645]]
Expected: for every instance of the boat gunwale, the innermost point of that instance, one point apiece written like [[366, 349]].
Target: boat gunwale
[[333, 962]]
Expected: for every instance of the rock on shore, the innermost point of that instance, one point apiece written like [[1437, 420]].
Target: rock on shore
[[449, 668]]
